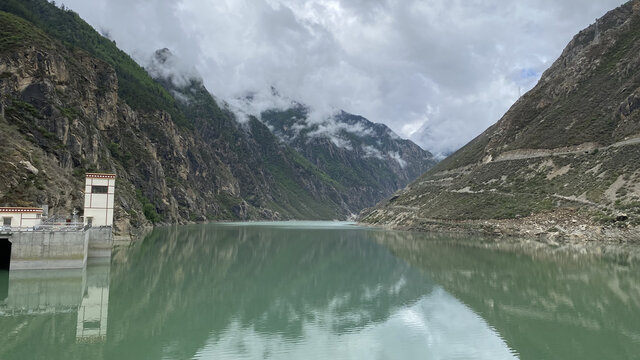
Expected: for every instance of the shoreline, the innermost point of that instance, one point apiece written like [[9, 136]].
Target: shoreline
[[564, 231]]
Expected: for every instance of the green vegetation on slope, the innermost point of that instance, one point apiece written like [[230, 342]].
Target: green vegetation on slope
[[135, 86], [287, 177], [363, 164], [16, 32]]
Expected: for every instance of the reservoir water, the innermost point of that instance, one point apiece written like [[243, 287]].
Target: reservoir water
[[320, 291]]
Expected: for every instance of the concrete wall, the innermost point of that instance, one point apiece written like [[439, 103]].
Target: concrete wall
[[59, 249], [100, 242], [48, 250]]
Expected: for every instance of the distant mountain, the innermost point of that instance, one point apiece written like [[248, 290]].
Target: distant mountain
[[71, 102], [367, 158], [365, 161], [571, 142]]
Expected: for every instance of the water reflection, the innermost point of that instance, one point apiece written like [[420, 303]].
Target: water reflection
[[94, 309], [544, 305], [241, 292], [40, 318], [317, 292], [4, 285]]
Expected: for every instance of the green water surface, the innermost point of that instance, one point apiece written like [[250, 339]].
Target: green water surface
[[320, 291]]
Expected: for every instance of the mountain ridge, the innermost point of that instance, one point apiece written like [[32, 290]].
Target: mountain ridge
[[569, 143], [74, 104]]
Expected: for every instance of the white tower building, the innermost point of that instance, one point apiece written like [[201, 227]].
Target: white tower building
[[99, 193]]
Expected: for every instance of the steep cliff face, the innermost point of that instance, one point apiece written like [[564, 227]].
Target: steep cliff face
[[572, 141], [62, 116], [53, 116]]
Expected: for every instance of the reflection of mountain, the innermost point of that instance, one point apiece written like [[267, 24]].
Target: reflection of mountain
[[251, 292], [39, 317], [543, 308], [182, 286]]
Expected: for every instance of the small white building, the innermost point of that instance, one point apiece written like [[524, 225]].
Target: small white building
[[20, 217], [99, 193]]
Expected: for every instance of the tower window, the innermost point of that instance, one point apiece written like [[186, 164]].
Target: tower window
[[96, 189]]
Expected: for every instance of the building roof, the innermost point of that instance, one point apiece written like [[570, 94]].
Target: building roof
[[100, 176], [20, 210]]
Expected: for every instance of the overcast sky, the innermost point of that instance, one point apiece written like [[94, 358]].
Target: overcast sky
[[436, 71]]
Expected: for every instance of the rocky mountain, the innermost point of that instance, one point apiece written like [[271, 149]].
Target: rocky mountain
[[572, 142], [363, 156], [367, 160], [71, 102]]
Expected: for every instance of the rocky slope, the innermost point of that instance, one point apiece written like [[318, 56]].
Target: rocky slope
[[572, 142], [71, 102], [62, 115]]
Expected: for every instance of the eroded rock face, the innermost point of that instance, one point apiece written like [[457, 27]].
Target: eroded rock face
[[571, 142], [61, 111]]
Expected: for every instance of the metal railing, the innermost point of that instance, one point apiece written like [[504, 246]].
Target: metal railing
[[56, 219], [63, 227]]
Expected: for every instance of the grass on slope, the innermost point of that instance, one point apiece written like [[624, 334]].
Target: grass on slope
[[136, 87]]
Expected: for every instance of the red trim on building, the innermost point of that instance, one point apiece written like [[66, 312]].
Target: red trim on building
[[106, 211], [100, 176], [21, 210], [90, 193]]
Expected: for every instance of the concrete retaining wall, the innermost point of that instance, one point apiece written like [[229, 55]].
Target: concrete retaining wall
[[100, 242], [58, 250], [48, 250]]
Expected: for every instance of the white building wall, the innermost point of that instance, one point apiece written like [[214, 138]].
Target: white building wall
[[21, 217], [99, 192]]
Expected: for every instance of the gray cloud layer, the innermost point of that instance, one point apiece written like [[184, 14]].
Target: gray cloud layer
[[437, 71]]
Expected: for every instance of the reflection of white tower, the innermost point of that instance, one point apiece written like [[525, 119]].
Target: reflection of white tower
[[92, 315], [98, 199], [94, 310]]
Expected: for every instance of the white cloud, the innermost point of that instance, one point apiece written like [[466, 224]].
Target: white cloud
[[163, 64], [255, 103], [341, 143], [396, 156], [370, 151], [437, 326], [331, 127], [440, 71]]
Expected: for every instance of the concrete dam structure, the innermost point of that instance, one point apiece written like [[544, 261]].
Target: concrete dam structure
[[51, 249], [29, 239]]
